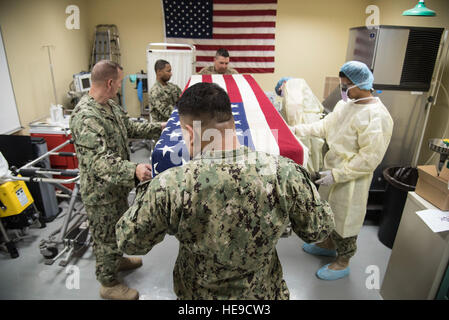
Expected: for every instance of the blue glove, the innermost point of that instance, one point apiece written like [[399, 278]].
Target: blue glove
[[279, 84]]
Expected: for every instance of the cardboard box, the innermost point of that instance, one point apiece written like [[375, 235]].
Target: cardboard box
[[434, 187]]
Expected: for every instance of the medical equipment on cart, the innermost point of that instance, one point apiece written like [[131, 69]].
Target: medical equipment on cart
[[73, 236], [82, 81]]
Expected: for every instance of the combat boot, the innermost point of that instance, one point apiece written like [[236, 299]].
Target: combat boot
[[118, 291], [129, 263]]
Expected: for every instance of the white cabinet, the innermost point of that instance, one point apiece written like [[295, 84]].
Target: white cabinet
[[419, 256]]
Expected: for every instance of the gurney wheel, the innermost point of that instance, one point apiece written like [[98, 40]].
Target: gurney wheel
[[53, 253], [12, 250]]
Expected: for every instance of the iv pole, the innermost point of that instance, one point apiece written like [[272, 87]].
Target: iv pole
[[51, 71]]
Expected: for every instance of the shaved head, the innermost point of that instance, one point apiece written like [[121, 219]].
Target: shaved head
[[105, 70], [205, 102]]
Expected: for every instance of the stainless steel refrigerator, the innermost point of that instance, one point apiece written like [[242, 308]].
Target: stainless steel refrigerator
[[402, 60]]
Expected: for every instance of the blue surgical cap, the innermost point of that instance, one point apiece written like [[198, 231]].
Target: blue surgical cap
[[278, 86], [359, 74]]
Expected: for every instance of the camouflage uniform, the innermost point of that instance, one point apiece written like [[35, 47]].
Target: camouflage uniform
[[346, 247], [100, 136], [162, 100], [228, 210], [211, 70]]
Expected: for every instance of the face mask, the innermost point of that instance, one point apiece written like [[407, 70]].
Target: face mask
[[344, 93]]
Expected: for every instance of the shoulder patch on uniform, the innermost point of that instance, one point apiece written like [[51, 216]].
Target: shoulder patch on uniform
[[92, 124]]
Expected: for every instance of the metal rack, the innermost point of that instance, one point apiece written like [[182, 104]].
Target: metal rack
[[106, 44]]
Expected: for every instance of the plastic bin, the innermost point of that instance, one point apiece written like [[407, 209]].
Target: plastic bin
[[400, 180]]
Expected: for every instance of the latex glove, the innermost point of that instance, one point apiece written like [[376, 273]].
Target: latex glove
[[327, 178]]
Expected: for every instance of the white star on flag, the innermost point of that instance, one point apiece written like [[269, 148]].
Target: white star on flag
[[165, 149], [235, 113], [174, 134]]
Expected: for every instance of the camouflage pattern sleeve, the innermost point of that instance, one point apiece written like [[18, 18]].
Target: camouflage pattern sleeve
[[158, 107], [162, 100], [203, 71], [143, 130], [207, 70], [98, 156], [312, 218], [138, 130], [160, 111], [156, 211]]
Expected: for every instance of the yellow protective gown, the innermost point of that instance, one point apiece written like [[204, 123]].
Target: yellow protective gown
[[358, 136], [301, 106]]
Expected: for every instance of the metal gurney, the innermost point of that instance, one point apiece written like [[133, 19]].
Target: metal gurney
[[72, 238]]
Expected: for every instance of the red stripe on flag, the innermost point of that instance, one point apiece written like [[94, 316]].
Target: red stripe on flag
[[255, 70], [234, 47], [240, 13], [238, 59], [288, 144], [247, 70], [207, 78], [232, 88], [255, 24], [243, 36], [244, 1]]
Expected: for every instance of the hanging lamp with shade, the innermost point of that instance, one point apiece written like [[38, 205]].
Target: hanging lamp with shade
[[419, 10]]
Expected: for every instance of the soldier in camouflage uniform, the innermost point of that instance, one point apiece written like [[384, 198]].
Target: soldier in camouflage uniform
[[220, 65], [228, 207], [163, 94], [100, 129]]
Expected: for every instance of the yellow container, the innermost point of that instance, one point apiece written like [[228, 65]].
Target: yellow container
[[15, 197]]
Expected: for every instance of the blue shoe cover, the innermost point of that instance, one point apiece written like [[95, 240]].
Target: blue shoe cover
[[317, 251], [325, 273]]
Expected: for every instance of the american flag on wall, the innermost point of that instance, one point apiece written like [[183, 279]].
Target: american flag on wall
[[246, 28]]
